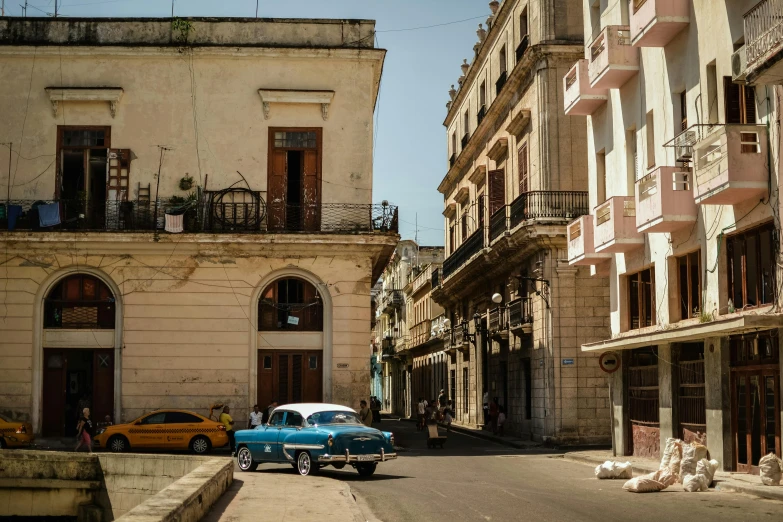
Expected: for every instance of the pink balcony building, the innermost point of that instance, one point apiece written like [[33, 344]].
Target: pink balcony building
[[731, 165], [664, 200], [614, 226], [655, 22], [581, 248], [613, 61], [579, 97]]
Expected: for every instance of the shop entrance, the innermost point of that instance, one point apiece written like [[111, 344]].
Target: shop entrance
[[755, 399], [75, 379]]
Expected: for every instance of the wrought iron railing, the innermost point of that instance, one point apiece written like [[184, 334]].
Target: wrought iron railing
[[498, 223], [93, 315], [501, 82], [520, 311], [498, 319], [566, 205], [470, 247], [522, 47], [763, 29], [296, 317], [420, 333], [436, 278], [209, 215], [465, 140], [481, 113]]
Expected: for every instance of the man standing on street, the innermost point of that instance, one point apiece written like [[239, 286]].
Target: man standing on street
[[422, 413], [228, 422], [256, 418], [365, 414], [268, 411], [486, 409]]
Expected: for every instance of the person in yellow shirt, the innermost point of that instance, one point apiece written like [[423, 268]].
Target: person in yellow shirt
[[228, 422]]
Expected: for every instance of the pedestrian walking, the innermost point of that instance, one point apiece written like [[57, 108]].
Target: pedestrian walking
[[365, 414], [501, 420], [494, 410], [268, 411], [228, 422], [84, 431], [442, 399], [422, 413], [448, 416], [486, 408], [256, 418]]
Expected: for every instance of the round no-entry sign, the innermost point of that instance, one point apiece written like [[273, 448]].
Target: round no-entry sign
[[609, 362]]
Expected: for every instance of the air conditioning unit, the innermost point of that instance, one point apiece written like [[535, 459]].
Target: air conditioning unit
[[739, 64]]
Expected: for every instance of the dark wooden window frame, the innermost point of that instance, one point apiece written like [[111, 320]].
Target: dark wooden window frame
[[641, 306], [687, 303], [740, 240], [61, 129]]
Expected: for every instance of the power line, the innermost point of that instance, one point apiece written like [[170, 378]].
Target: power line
[[431, 26]]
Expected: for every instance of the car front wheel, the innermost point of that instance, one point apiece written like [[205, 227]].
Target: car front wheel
[[118, 444], [304, 464], [245, 460], [366, 470]]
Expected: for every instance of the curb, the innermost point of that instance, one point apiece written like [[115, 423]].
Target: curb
[[757, 491], [479, 434]]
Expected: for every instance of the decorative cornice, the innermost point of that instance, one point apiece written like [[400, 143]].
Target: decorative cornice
[[270, 96], [111, 95]]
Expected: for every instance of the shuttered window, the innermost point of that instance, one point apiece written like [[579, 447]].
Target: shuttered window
[[740, 102], [524, 182], [497, 190]]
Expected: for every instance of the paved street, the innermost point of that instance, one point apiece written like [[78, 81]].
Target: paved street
[[478, 480]]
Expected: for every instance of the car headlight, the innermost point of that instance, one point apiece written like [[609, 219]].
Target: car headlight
[[100, 431], [21, 430], [391, 439]]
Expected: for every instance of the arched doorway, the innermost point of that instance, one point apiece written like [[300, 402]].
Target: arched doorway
[[291, 319], [79, 316]]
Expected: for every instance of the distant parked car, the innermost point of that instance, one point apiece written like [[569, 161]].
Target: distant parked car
[[311, 436], [164, 430], [15, 434]]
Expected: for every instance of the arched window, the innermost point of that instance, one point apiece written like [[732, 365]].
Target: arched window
[[292, 305], [79, 302]]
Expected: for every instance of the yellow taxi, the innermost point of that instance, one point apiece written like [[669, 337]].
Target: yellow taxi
[[15, 434], [170, 430]]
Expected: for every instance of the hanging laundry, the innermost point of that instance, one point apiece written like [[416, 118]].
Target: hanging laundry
[[14, 211], [49, 215]]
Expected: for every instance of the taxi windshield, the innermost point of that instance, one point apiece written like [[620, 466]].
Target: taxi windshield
[[334, 417]]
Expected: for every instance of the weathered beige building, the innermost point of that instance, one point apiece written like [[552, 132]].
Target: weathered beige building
[[188, 214], [517, 174]]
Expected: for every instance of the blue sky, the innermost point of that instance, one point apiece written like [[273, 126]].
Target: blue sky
[[410, 155]]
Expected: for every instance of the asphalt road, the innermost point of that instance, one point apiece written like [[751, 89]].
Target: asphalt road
[[476, 480]]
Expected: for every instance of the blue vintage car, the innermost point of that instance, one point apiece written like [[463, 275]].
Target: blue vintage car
[[311, 436]]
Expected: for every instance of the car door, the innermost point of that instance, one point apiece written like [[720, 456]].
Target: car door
[[180, 428], [268, 442], [149, 431], [288, 435]]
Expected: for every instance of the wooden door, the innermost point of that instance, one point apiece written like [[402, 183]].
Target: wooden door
[[276, 187], [289, 377], [755, 416], [118, 174], [103, 385], [311, 193], [54, 392]]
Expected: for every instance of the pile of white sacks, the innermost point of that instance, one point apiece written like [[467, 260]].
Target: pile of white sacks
[[685, 463]]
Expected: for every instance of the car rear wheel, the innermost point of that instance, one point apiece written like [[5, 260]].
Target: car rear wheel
[[200, 445], [366, 470], [118, 444], [305, 465], [245, 460]]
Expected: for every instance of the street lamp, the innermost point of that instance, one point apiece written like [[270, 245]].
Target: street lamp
[[476, 327]]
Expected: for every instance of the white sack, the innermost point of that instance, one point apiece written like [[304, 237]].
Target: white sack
[[672, 454], [695, 483], [614, 470], [770, 468], [691, 454], [707, 468], [651, 482]]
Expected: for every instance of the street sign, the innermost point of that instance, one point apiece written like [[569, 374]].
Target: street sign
[[609, 362], [568, 362]]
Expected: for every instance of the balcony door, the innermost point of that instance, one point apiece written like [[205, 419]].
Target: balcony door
[[294, 180]]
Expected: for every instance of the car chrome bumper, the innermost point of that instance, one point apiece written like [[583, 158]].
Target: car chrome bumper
[[377, 457]]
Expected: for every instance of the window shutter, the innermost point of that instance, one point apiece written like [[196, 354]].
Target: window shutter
[[733, 99], [311, 193], [497, 190], [276, 185], [524, 183], [750, 104], [480, 211], [117, 181]]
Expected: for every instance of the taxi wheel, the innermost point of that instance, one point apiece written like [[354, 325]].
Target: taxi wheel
[[245, 460], [118, 444], [305, 465], [366, 470], [200, 445], [3, 445]]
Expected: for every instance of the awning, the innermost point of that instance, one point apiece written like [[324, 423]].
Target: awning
[[726, 325]]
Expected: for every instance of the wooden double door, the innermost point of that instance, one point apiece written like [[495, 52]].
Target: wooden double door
[[72, 380], [289, 376], [756, 415]]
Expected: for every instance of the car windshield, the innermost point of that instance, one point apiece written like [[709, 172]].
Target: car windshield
[[3, 418], [334, 417]]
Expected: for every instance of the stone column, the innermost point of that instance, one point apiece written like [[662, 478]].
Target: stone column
[[718, 400], [667, 394], [619, 408]]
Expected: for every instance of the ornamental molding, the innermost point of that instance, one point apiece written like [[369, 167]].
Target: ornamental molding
[[110, 95], [270, 96]]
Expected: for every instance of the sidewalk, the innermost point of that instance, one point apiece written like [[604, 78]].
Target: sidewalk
[[279, 494], [724, 480]]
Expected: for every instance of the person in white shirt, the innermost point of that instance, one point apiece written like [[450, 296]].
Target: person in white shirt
[[486, 409], [422, 412], [256, 418]]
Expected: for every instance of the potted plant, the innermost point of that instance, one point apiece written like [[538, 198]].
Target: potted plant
[[186, 183]]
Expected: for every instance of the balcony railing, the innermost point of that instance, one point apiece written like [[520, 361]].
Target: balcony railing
[[481, 113], [452, 159], [465, 140], [498, 223], [763, 30], [436, 278], [522, 47], [520, 312], [205, 216], [655, 22], [565, 205], [420, 333], [470, 247], [498, 319], [501, 82]]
